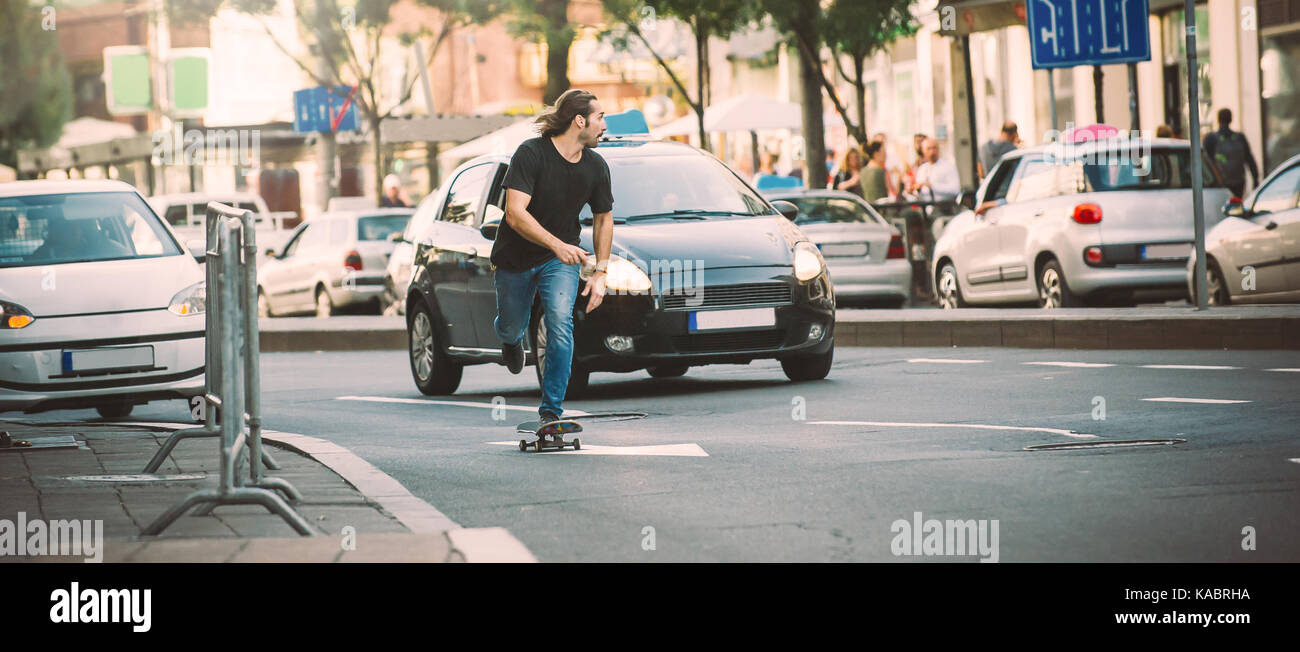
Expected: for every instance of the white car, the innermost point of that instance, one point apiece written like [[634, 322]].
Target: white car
[[864, 253], [1057, 225], [186, 213], [1253, 255], [100, 305], [398, 274], [331, 261]]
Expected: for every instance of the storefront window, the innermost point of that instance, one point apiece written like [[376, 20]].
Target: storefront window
[[1279, 64], [1175, 69]]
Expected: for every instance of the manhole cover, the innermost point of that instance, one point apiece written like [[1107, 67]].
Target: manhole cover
[[136, 477], [1105, 444]]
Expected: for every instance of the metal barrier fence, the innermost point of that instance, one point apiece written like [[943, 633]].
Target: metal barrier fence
[[916, 219], [232, 379]]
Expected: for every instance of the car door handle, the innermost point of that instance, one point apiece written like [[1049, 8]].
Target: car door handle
[[1271, 226], [1039, 213]]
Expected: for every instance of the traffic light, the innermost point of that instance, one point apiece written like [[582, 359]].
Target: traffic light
[[128, 84]]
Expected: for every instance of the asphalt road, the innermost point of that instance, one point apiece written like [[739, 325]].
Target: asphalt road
[[754, 476]]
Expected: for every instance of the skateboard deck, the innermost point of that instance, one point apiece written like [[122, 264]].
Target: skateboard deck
[[550, 435]]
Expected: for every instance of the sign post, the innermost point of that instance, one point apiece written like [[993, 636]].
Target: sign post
[[1194, 117], [1068, 33]]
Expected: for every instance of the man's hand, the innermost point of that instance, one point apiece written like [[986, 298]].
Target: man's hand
[[596, 288], [569, 254]]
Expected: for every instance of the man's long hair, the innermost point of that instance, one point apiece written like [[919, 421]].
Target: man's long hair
[[555, 120]]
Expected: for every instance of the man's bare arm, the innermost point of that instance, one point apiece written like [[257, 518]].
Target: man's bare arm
[[603, 235]]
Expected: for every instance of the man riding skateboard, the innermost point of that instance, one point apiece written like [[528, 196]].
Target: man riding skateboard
[[536, 249]]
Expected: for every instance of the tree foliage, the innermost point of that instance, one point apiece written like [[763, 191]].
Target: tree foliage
[[35, 87]]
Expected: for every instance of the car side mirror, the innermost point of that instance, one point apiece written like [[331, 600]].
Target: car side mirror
[[967, 199], [270, 253], [1234, 208], [490, 228], [788, 209]]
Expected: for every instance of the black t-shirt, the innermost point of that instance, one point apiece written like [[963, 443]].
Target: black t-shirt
[[558, 188]]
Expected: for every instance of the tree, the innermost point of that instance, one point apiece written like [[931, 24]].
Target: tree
[[349, 39], [706, 19], [547, 20], [803, 22], [35, 87], [857, 30]]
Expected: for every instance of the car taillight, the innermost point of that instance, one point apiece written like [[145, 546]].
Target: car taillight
[[1087, 213], [352, 261], [1234, 201], [896, 249], [1092, 254]]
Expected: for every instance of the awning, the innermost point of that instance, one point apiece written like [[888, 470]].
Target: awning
[[749, 112], [502, 140]]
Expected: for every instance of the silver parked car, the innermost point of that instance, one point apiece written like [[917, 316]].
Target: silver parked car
[[100, 305], [1103, 221], [1253, 255], [864, 253], [335, 260], [398, 275], [186, 213]]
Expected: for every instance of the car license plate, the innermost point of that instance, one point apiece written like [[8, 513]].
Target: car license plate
[[721, 319], [116, 358], [845, 249], [1164, 251]]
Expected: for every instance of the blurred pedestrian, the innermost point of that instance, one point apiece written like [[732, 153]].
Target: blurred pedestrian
[[392, 193], [874, 184], [1164, 131], [993, 151], [938, 177], [894, 167], [849, 178], [1230, 151], [766, 164], [796, 170]]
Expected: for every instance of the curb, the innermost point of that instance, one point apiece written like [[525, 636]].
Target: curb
[[483, 545]]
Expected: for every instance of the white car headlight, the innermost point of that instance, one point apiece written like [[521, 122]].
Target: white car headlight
[[808, 261], [193, 300], [623, 275]]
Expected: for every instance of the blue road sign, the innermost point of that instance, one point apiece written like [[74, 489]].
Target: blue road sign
[[319, 108], [1067, 33]]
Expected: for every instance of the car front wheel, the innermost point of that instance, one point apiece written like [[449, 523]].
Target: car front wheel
[[1053, 291], [1215, 288], [949, 291], [812, 367], [434, 372]]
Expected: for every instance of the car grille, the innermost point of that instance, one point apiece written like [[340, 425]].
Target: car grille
[[728, 342], [719, 296]]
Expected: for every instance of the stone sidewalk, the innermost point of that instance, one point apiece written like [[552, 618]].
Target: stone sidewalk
[[99, 479]]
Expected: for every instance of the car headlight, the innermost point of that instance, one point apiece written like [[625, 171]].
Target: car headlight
[[193, 300], [14, 316], [808, 261], [623, 275]]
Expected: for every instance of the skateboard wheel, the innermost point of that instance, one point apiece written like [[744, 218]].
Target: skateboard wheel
[[577, 444], [523, 445]]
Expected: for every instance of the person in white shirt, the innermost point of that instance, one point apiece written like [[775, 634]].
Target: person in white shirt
[[938, 176]]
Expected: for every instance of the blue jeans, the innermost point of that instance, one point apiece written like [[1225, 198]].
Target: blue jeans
[[559, 287]]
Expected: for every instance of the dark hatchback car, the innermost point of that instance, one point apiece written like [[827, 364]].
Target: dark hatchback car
[[704, 271]]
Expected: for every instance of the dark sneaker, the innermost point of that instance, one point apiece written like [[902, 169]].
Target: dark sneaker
[[547, 417], [514, 357]]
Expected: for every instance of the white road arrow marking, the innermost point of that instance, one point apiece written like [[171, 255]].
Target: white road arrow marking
[[1186, 366], [902, 424], [1212, 401], [661, 450], [1086, 365], [945, 361]]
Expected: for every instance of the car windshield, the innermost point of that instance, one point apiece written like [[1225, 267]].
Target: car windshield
[[1139, 169], [379, 227], [664, 186], [79, 227], [835, 210]]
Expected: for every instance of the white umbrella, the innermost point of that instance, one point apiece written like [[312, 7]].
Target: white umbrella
[[749, 112]]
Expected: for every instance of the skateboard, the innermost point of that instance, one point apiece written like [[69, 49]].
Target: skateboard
[[549, 435]]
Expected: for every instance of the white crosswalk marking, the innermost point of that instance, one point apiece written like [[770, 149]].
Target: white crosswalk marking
[[659, 450], [1187, 366], [1086, 365], [904, 424], [421, 401], [1294, 371], [1212, 401], [945, 361]]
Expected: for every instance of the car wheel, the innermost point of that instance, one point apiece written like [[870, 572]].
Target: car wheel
[[115, 410], [1215, 287], [435, 373], [324, 306], [949, 290], [579, 378], [1053, 291], [813, 367], [263, 304], [668, 371]]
